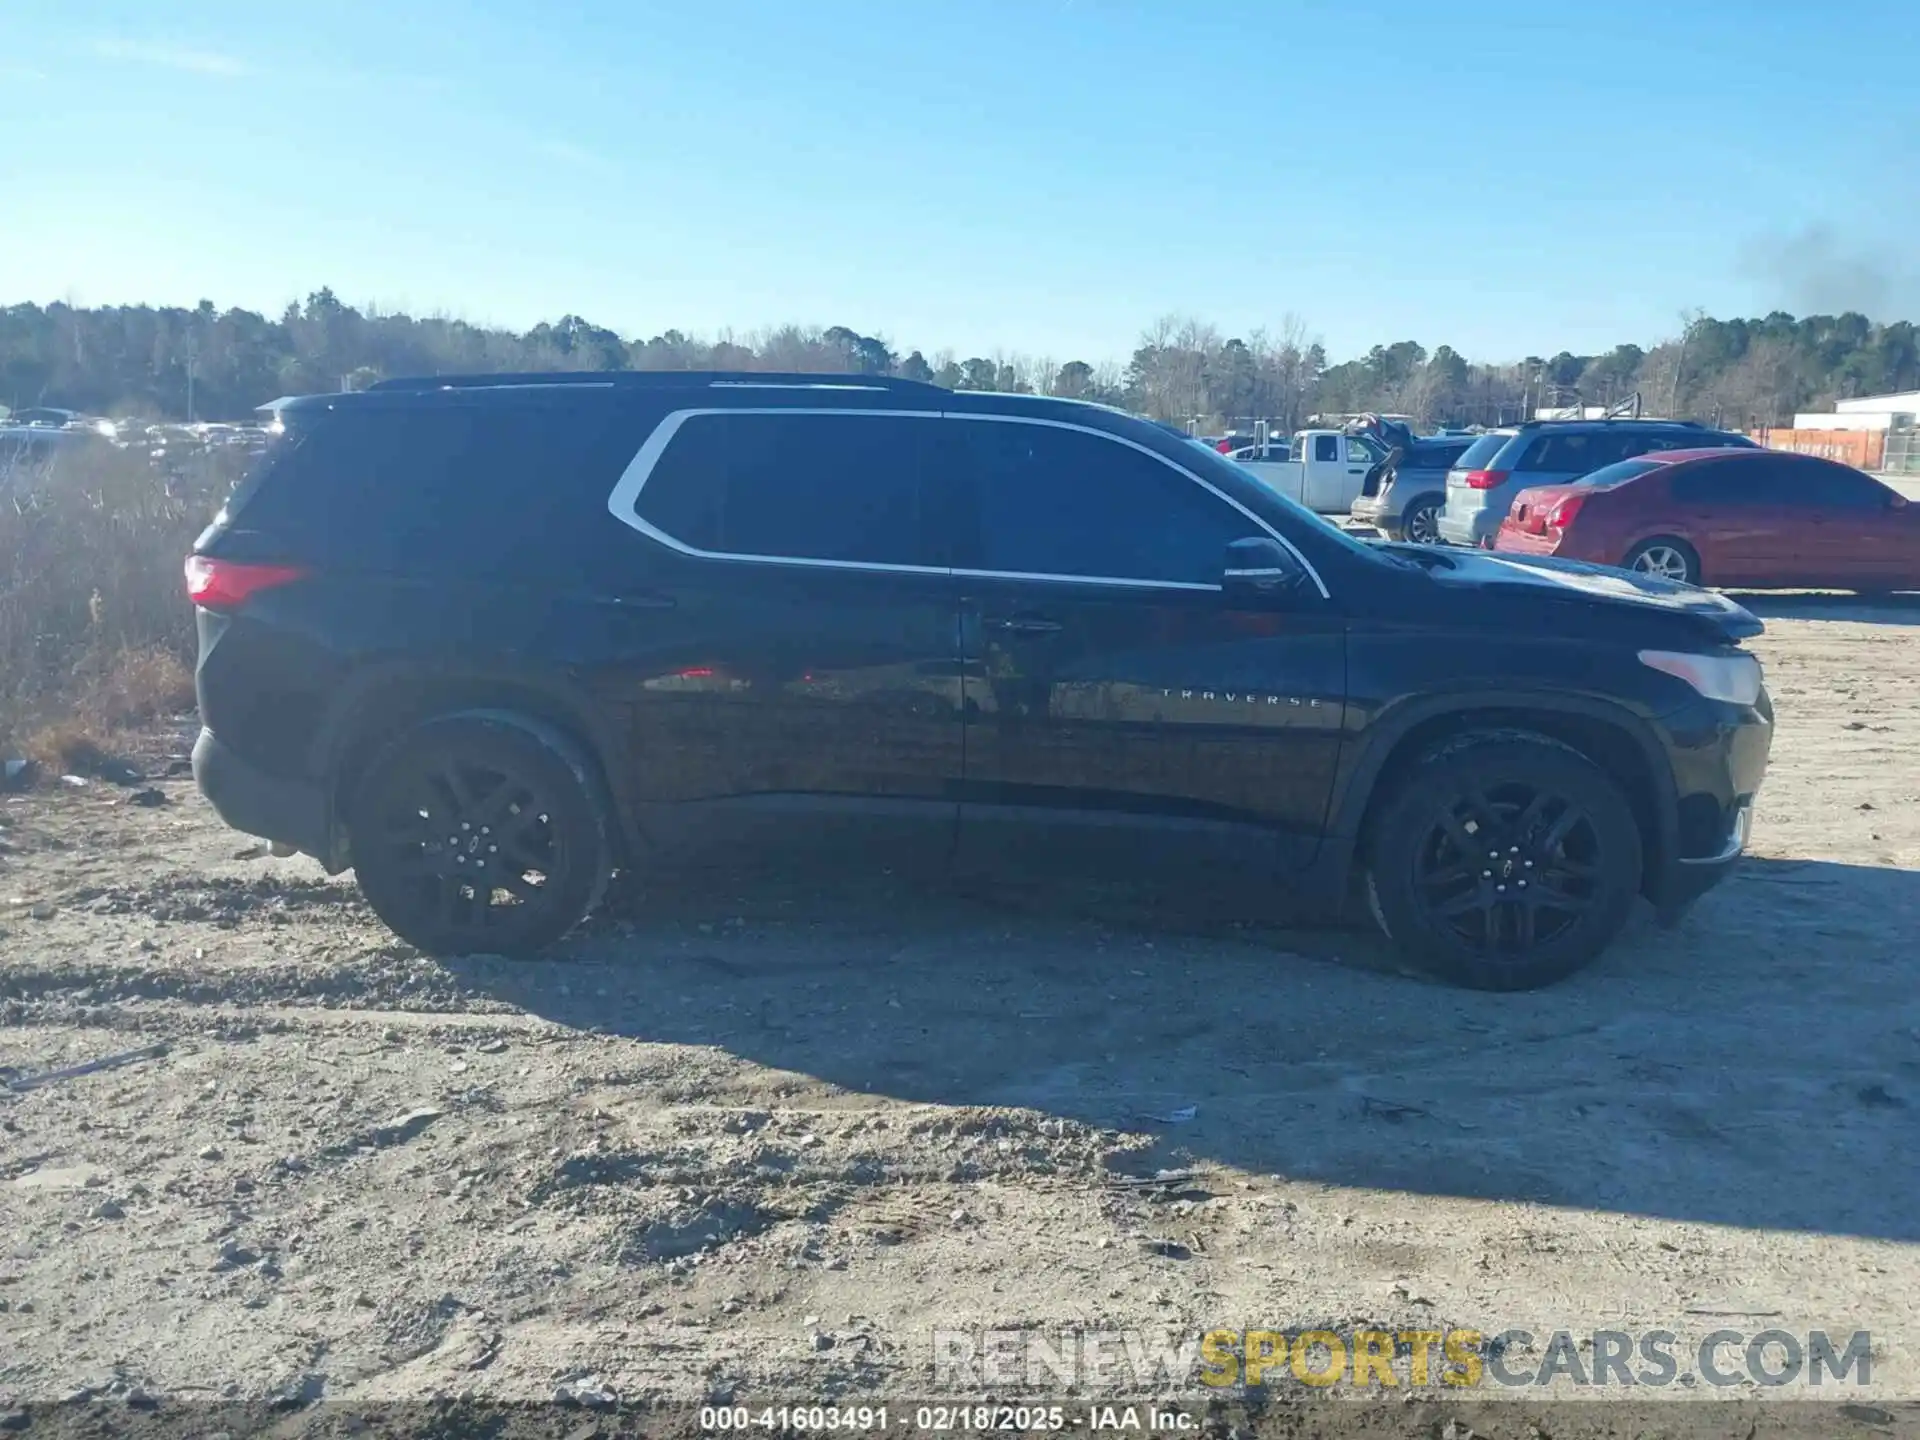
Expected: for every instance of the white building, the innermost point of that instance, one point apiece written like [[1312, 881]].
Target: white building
[[1905, 402], [1866, 412]]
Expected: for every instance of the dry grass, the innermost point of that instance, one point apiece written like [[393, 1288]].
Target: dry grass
[[96, 635]]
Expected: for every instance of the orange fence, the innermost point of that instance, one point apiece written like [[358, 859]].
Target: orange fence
[[1862, 449]]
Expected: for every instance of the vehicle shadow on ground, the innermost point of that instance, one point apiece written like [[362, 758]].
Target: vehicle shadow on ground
[[1758, 1066], [1901, 609]]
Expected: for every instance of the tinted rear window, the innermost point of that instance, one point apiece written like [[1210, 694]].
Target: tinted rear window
[[796, 486], [1480, 453], [485, 491]]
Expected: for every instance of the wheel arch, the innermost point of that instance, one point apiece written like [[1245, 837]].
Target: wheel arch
[[1610, 736], [382, 705]]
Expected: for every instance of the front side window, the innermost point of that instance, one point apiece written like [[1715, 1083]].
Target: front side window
[[1326, 448], [1045, 500], [1831, 486], [793, 485]]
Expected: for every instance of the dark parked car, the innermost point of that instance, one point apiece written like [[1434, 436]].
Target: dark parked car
[[485, 641], [1502, 463], [1727, 517]]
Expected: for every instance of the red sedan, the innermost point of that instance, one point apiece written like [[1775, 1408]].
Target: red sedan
[[1748, 518]]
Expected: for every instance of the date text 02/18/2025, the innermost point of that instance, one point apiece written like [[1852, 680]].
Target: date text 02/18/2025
[[945, 1418]]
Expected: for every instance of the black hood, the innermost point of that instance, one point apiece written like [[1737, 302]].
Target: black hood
[[1603, 584]]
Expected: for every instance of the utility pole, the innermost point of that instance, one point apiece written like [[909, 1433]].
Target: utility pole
[[193, 359]]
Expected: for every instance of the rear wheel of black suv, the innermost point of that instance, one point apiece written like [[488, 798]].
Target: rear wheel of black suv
[[476, 834], [1506, 861]]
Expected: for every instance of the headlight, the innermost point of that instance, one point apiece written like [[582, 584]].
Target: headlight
[[1734, 679]]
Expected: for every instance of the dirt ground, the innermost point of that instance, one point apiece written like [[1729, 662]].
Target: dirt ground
[[760, 1135]]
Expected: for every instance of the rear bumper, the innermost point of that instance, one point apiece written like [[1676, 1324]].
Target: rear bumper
[[1469, 529], [1514, 540], [1371, 508], [292, 812]]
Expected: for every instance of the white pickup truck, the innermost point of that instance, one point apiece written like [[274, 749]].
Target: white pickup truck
[[1322, 469]]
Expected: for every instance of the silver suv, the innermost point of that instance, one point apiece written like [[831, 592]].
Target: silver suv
[[1502, 463]]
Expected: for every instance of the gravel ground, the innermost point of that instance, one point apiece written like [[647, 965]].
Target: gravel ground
[[763, 1134]]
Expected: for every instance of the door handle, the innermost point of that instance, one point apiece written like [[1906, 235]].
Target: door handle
[[638, 600], [1024, 625]]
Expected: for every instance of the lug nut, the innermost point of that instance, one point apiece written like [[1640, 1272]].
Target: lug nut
[[1501, 888], [1529, 864], [1486, 874]]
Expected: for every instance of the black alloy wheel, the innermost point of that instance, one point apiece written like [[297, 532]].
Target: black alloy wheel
[[1504, 861], [1507, 869], [476, 836]]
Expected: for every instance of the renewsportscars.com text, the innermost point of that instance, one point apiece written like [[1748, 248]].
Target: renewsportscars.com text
[[1516, 1358]]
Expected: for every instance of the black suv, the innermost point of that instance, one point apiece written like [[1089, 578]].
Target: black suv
[[488, 639]]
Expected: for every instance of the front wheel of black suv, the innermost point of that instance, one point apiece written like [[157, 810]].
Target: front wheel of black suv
[[475, 834], [1506, 861]]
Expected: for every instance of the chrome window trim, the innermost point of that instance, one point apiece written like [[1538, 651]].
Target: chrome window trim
[[623, 501]]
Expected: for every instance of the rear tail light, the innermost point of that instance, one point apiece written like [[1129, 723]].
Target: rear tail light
[[227, 585], [1486, 479], [1562, 514]]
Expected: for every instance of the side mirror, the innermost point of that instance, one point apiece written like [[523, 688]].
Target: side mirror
[[1896, 501], [1260, 568]]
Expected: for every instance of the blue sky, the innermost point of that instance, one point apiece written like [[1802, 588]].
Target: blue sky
[[1045, 176]]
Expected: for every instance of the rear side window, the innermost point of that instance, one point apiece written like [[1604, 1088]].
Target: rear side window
[[797, 486], [1578, 453], [1049, 501], [1479, 455], [487, 491], [1618, 471]]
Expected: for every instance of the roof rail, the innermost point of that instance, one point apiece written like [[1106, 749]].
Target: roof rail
[[658, 379], [1612, 420]]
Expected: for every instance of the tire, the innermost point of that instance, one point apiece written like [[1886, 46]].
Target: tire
[[1420, 521], [1546, 814], [1661, 555], [505, 792]]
